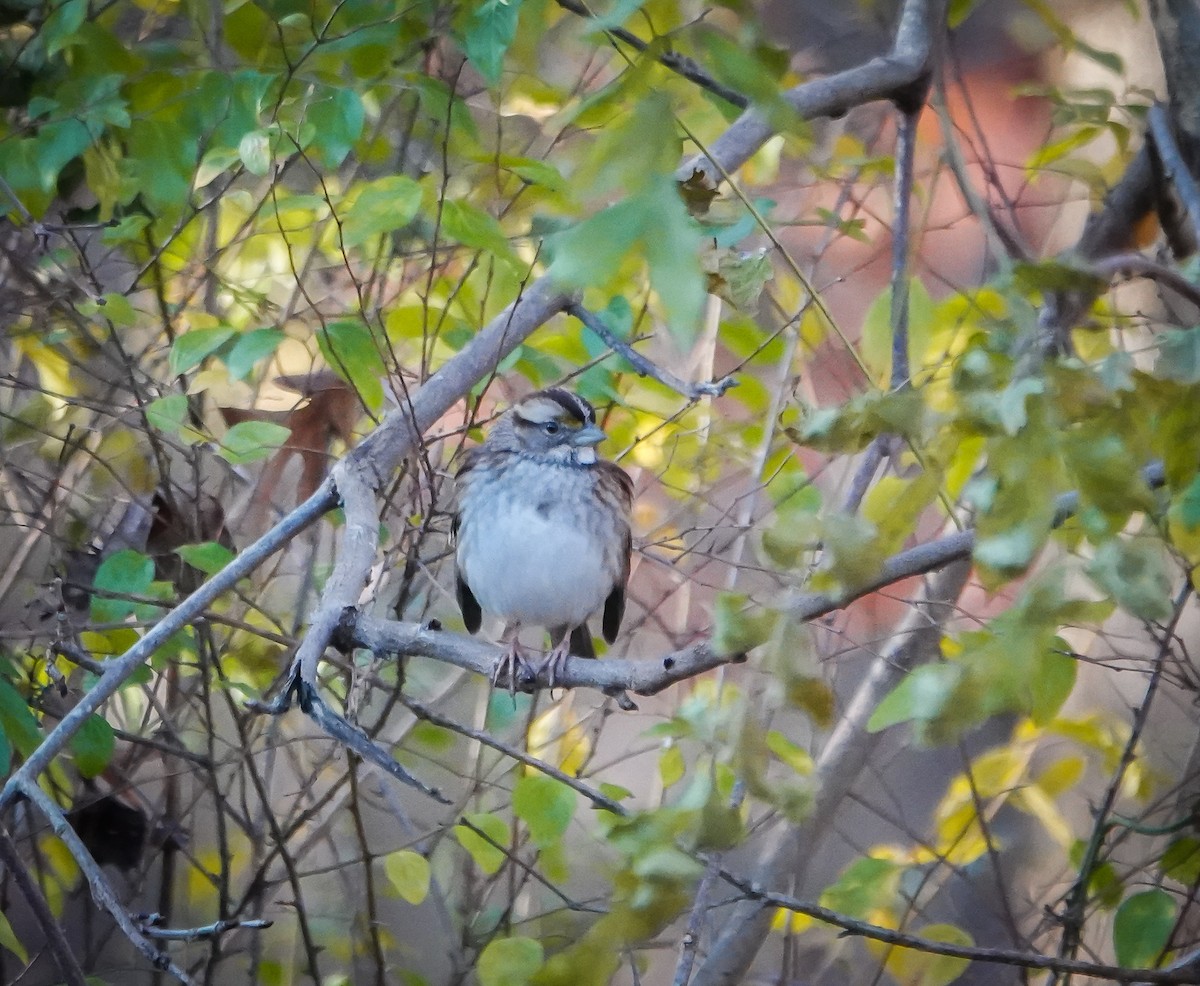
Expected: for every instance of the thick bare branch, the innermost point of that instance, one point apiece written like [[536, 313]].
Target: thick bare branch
[[893, 76], [838, 768]]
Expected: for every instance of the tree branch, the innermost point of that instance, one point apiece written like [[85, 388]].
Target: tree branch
[[643, 366], [850, 745], [837, 769], [56, 939], [890, 76], [102, 891]]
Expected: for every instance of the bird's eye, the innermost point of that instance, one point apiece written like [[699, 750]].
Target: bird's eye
[[551, 427]]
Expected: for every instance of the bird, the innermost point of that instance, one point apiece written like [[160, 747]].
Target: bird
[[542, 532]]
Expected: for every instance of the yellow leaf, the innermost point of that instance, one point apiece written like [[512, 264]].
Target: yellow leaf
[[10, 941], [558, 737], [408, 872], [790, 922], [1033, 801], [912, 967], [53, 370], [1061, 776]]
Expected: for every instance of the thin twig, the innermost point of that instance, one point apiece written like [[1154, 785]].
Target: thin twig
[[102, 891], [118, 669], [1139, 265], [997, 956], [59, 947], [643, 366], [677, 63], [1076, 901], [479, 736], [150, 928], [690, 941], [906, 142]]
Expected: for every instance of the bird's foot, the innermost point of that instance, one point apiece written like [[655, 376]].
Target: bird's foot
[[513, 668], [556, 661]]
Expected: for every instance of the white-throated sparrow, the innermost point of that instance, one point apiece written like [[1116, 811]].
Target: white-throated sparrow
[[542, 530]]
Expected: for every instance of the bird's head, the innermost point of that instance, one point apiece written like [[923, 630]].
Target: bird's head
[[553, 425]]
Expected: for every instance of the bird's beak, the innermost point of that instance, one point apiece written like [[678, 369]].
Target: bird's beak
[[587, 436]]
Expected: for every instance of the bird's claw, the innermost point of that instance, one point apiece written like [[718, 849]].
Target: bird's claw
[[555, 661], [512, 667]]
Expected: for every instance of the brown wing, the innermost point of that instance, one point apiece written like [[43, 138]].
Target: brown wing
[[620, 487]]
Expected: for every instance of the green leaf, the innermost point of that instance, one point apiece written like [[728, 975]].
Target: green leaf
[[618, 13], [656, 220], [472, 227], [167, 413], [738, 277], [671, 765], [192, 348], [337, 121], [636, 151], [381, 206], [876, 341], [667, 862], [17, 721], [672, 253], [615, 791], [736, 627], [864, 886], [10, 941], [1135, 574], [209, 557], [93, 746], [409, 874], [959, 10], [590, 253], [509, 962], [1010, 551], [1142, 928], [488, 857], [1181, 861], [351, 350], [255, 151], [531, 170], [1179, 355], [249, 348], [130, 228], [545, 805], [916, 967], [249, 441], [58, 30], [488, 34], [1189, 504], [920, 696], [1049, 153], [1052, 684], [126, 572]]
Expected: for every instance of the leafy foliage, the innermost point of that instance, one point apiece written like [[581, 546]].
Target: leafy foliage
[[240, 236]]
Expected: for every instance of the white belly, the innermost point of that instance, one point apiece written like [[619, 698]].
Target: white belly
[[532, 565]]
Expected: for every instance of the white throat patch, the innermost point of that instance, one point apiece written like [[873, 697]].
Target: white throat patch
[[586, 456]]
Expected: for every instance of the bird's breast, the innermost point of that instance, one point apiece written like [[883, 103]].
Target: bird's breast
[[537, 557]]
